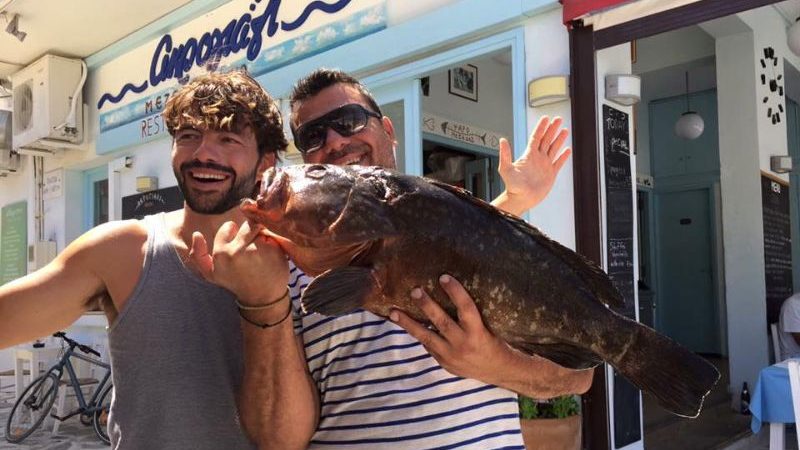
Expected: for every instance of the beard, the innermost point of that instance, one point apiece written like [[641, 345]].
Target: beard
[[217, 203]]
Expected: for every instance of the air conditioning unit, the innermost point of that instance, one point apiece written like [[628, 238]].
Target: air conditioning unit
[[42, 99]]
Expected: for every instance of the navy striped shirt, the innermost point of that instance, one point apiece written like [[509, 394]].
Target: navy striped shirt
[[379, 388]]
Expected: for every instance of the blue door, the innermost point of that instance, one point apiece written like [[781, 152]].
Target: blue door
[[686, 307]]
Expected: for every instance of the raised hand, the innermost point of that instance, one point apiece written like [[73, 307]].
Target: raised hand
[[530, 178]]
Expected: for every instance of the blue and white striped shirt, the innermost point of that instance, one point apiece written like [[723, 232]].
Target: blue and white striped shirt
[[380, 389]]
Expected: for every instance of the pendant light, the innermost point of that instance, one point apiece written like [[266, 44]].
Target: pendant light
[[690, 125]]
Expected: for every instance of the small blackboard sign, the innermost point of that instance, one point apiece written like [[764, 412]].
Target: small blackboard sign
[[161, 200], [620, 250], [777, 243]]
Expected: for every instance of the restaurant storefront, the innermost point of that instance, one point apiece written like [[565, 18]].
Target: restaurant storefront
[[454, 76], [716, 214]]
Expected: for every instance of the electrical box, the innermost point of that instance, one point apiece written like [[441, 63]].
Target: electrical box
[[40, 253]]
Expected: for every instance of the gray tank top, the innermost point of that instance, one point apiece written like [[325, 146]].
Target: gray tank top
[[176, 353]]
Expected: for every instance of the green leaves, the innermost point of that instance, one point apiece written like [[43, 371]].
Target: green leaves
[[557, 408]]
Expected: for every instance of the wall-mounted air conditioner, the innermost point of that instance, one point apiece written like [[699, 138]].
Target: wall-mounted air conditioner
[[42, 93]]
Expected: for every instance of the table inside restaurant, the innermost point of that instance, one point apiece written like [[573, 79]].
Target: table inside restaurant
[[772, 402]]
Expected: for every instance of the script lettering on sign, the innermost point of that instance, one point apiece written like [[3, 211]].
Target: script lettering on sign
[[173, 60]]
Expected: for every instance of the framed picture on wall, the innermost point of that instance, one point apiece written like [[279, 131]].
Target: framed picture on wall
[[463, 81]]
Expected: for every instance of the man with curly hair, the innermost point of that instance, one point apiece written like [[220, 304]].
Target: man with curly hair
[[175, 339]]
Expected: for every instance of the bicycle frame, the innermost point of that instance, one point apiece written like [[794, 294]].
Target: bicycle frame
[[83, 407]]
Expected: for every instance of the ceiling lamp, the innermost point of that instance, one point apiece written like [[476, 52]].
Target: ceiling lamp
[[690, 125], [793, 37]]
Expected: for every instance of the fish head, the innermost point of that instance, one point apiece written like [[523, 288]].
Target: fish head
[[322, 206]]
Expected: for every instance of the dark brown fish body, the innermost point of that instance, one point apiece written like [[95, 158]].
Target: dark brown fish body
[[371, 235]]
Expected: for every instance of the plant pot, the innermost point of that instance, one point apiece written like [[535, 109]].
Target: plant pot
[[552, 434]]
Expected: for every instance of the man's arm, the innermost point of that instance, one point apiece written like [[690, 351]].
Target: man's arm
[[278, 403], [468, 349], [55, 296], [529, 179]]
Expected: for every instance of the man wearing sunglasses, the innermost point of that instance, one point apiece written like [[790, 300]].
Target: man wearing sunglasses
[[393, 383]]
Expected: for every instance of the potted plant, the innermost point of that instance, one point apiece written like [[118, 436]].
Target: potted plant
[[553, 424]]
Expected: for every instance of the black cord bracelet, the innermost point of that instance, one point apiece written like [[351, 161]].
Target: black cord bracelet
[[264, 326]]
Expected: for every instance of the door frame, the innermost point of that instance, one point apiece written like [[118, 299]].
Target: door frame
[[584, 43], [513, 39], [90, 177]]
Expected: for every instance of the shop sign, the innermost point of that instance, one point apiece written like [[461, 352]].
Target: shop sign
[[260, 41], [53, 184], [162, 200], [13, 242], [460, 131]]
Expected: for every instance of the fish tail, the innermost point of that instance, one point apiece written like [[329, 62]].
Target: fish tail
[[678, 378]]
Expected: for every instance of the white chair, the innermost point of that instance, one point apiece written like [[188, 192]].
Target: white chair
[[776, 346], [794, 381]]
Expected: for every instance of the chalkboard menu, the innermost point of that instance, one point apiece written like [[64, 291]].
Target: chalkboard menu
[[145, 204], [620, 250], [777, 244], [13, 242]]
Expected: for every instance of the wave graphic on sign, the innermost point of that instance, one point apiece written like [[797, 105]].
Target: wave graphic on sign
[[117, 98]]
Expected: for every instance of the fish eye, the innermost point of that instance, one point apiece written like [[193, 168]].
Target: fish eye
[[316, 171]]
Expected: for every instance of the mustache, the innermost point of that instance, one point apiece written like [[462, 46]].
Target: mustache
[[206, 165]]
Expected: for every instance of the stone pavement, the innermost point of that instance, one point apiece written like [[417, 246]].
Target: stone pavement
[[72, 435]]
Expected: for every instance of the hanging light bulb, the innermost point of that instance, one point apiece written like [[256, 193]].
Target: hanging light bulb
[[793, 37], [690, 125]]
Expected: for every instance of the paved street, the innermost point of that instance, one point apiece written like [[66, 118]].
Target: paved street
[[72, 435]]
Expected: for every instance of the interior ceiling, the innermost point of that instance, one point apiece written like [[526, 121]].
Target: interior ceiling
[[72, 28]]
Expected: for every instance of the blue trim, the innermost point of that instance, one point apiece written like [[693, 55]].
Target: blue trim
[[186, 13], [442, 27]]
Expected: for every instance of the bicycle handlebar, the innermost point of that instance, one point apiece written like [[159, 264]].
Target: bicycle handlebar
[[83, 348]]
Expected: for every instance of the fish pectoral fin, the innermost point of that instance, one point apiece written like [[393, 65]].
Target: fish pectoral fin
[[565, 355], [339, 291]]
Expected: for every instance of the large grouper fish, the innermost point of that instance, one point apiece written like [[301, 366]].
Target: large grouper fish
[[370, 235]]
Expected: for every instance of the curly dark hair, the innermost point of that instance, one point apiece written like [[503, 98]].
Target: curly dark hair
[[316, 81], [228, 101]]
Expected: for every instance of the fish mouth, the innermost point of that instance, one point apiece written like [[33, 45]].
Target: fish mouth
[[269, 208]]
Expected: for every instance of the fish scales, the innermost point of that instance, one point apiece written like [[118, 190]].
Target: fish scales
[[371, 235]]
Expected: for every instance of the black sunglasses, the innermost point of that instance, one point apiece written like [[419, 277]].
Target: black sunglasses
[[346, 120]]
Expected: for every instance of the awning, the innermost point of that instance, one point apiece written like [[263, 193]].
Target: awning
[[607, 13], [574, 9]]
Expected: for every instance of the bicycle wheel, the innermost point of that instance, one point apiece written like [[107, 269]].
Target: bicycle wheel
[[32, 407], [100, 419]]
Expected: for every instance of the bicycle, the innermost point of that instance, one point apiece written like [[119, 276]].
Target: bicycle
[[36, 401]]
